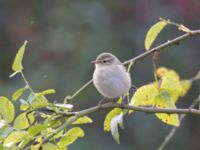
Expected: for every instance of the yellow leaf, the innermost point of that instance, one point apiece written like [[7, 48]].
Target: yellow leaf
[[172, 86], [186, 84], [70, 137], [153, 33], [50, 146], [107, 122], [17, 64], [163, 71], [163, 101], [144, 96], [37, 144], [83, 120]]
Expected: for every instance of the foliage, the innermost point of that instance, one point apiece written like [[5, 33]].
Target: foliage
[[42, 124]]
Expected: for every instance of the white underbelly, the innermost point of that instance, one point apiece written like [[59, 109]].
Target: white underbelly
[[112, 84]]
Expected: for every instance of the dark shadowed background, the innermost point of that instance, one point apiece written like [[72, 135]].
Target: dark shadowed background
[[65, 36]]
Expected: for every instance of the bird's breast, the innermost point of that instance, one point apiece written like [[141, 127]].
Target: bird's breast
[[112, 82]]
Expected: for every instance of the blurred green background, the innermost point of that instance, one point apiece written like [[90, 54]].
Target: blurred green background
[[64, 36]]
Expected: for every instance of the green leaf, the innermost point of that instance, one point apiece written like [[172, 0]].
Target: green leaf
[[52, 121], [25, 142], [14, 137], [18, 93], [39, 102], [17, 64], [24, 120], [24, 107], [107, 122], [35, 129], [47, 92], [58, 135], [117, 120], [70, 137], [1, 147], [153, 33], [164, 101], [50, 146], [83, 120], [7, 109]]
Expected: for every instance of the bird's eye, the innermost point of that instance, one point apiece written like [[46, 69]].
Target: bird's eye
[[104, 61]]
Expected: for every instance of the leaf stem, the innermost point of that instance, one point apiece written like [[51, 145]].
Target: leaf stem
[[79, 91], [26, 82]]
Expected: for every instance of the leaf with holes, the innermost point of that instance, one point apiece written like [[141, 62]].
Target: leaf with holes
[[172, 86], [144, 96], [164, 101]]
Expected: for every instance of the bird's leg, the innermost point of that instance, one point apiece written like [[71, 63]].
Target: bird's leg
[[101, 102], [133, 88], [125, 99]]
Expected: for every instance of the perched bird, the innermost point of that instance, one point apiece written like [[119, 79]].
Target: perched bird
[[110, 77]]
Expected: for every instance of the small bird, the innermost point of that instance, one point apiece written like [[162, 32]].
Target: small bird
[[110, 77]]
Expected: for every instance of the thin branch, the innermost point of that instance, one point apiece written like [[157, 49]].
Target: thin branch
[[143, 55], [136, 108], [162, 46], [173, 130], [76, 115]]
